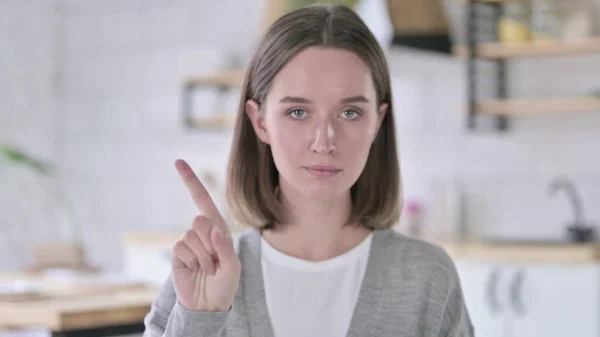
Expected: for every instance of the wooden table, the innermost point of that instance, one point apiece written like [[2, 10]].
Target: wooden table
[[79, 310]]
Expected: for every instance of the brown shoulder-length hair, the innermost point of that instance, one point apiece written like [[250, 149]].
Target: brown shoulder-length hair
[[252, 178]]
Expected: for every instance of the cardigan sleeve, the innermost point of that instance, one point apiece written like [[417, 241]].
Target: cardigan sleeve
[[168, 318]]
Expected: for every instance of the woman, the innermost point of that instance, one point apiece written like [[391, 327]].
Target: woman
[[314, 171]]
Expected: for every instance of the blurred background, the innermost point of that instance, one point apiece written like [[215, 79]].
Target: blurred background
[[497, 109]]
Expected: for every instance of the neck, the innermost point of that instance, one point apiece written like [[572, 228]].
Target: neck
[[315, 230]]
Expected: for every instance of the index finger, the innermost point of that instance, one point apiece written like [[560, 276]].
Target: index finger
[[199, 194]]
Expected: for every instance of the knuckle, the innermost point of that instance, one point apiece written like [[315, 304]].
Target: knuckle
[[200, 219], [178, 248], [202, 227], [205, 261], [200, 222], [188, 236]]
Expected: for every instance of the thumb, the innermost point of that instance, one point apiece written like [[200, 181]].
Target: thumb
[[223, 246]]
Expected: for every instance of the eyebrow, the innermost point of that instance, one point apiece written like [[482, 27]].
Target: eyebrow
[[353, 99]]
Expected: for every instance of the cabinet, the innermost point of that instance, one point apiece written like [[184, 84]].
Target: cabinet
[[480, 284], [529, 299]]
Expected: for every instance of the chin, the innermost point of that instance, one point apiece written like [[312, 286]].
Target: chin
[[323, 191], [319, 188]]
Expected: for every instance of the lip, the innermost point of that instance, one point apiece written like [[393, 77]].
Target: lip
[[323, 167], [323, 170]]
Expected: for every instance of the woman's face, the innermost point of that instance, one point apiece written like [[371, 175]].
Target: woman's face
[[320, 119]]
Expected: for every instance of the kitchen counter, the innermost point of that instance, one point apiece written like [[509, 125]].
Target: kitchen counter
[[470, 249], [520, 251], [74, 308], [159, 240]]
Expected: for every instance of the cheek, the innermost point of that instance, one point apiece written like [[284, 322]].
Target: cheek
[[356, 148], [284, 140], [356, 137]]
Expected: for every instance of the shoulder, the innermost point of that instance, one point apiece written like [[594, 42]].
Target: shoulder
[[424, 275], [247, 243], [412, 249], [417, 258]]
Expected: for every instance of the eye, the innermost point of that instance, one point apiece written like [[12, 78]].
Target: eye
[[297, 114], [350, 114]]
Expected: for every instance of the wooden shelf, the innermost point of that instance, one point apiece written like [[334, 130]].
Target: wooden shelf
[[491, 51], [539, 106], [226, 78], [220, 121]]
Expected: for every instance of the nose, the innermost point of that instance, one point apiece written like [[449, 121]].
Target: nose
[[323, 142]]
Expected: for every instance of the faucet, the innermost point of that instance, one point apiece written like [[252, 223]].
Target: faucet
[[564, 184], [578, 230]]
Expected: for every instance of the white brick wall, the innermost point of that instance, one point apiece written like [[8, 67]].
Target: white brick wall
[[127, 60], [30, 40], [119, 120]]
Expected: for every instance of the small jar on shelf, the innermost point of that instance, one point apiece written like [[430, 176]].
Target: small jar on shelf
[[546, 20], [514, 24], [578, 21]]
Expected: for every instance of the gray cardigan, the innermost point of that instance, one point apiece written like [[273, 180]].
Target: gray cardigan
[[410, 288]]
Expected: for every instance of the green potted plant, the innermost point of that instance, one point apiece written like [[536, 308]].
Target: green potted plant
[[69, 252]]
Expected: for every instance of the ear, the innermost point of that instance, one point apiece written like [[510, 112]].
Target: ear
[[383, 109], [258, 121]]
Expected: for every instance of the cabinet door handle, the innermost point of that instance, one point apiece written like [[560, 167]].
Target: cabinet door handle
[[492, 293], [516, 298]]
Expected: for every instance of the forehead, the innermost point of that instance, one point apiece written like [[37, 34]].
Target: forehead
[[324, 73]]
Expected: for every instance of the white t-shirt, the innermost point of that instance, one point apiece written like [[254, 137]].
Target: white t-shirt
[[306, 298]]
